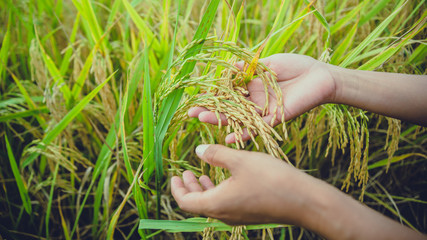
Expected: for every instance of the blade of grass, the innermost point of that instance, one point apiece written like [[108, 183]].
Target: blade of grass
[[168, 108], [139, 200], [418, 54], [63, 221], [66, 59], [285, 35], [23, 192], [374, 34], [22, 114], [384, 162], [148, 122], [379, 201], [19, 100], [389, 52], [347, 18], [28, 99], [406, 199], [164, 31], [115, 218], [167, 75], [171, 103], [59, 127], [368, 54], [148, 111], [49, 204], [4, 51], [113, 13], [322, 21], [250, 69], [195, 225], [104, 156], [373, 11], [338, 54], [279, 18], [411, 17], [149, 137], [141, 25], [86, 9]]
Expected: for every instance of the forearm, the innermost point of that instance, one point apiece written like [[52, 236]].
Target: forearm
[[396, 95], [336, 215]]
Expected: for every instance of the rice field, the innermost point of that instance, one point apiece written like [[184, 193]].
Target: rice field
[[95, 95]]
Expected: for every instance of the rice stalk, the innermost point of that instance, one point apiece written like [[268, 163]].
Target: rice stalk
[[49, 46], [228, 95]]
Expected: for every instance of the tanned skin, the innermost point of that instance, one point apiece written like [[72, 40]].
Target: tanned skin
[[263, 189]]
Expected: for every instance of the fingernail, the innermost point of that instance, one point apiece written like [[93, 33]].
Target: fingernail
[[190, 112], [229, 138], [202, 118], [200, 150]]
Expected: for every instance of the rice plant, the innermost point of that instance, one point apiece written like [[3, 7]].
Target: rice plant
[[95, 94]]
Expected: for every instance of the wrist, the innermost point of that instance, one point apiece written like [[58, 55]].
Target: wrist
[[339, 76], [311, 198], [319, 212]]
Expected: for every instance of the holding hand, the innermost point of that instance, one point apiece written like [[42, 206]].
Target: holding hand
[[263, 189], [307, 83], [274, 193], [304, 81]]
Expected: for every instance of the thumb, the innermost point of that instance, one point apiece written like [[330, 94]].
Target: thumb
[[219, 155]]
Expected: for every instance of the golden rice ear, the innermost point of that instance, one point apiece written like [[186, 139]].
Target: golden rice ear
[[392, 140], [236, 232], [227, 94]]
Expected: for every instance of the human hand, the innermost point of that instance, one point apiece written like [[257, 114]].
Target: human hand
[[304, 81], [262, 189]]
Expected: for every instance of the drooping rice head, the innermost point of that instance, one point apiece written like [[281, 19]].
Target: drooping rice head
[[228, 94]]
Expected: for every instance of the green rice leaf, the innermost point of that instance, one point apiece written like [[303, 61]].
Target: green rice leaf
[[389, 52], [347, 18], [387, 206], [27, 113], [339, 52], [49, 204], [195, 225], [418, 54], [148, 122], [4, 51], [86, 9], [384, 162], [279, 18], [104, 156], [141, 25], [171, 103], [28, 99], [324, 23], [116, 215], [139, 200], [19, 100], [23, 192], [372, 36], [373, 11], [67, 56], [284, 36]]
